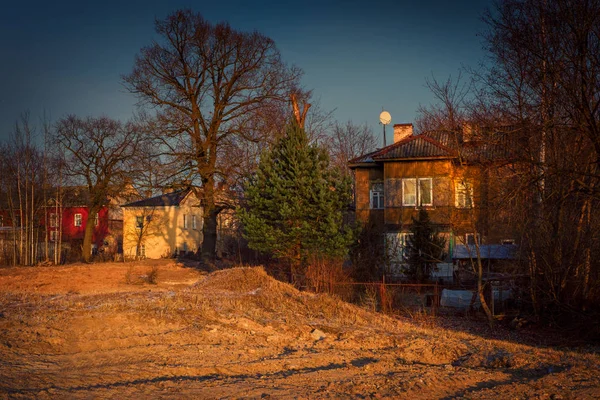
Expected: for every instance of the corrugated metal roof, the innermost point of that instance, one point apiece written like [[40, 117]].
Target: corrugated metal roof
[[496, 146], [167, 199], [418, 146]]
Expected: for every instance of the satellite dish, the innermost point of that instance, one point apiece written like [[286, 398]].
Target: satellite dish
[[385, 117]]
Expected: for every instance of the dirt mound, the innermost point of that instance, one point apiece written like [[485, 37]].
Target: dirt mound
[[85, 332]]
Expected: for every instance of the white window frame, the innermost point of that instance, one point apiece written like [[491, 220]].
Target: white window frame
[[463, 194], [53, 220], [418, 193], [78, 220], [138, 219], [405, 202], [185, 221], [376, 197], [194, 222]]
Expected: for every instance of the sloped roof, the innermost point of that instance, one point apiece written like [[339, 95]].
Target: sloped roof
[[164, 200], [497, 145], [416, 146]]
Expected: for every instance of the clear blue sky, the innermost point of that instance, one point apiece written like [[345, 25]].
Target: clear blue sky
[[66, 57]]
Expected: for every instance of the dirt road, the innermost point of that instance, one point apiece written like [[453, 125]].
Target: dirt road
[[103, 331]]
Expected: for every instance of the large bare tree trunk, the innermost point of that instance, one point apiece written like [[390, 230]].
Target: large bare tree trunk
[[88, 235]]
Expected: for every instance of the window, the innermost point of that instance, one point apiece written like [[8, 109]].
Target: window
[[139, 222], [396, 246], [141, 251], [53, 236], [470, 239], [96, 220], [376, 195], [185, 221], [77, 220], [53, 220], [425, 192], [193, 222], [508, 241], [409, 192], [417, 191], [464, 194]]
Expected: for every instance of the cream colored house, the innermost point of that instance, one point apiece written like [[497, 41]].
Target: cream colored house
[[163, 226]]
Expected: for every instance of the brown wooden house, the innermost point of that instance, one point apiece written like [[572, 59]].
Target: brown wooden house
[[448, 175]]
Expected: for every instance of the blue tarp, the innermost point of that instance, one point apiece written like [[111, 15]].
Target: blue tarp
[[487, 251]]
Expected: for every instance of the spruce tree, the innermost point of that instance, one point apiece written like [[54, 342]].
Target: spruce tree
[[295, 202], [424, 248]]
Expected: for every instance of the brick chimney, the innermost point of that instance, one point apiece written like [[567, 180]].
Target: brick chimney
[[402, 131]]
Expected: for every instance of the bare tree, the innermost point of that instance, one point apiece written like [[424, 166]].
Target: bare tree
[[544, 77], [103, 155], [347, 141], [209, 84]]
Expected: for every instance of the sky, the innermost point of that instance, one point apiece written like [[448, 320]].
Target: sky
[[358, 57]]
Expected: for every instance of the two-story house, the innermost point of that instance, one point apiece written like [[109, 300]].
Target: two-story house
[[449, 176]]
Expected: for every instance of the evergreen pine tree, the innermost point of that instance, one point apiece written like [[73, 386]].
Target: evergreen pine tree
[[295, 202], [424, 248]]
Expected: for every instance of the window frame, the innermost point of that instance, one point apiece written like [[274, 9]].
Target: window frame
[[400, 252], [376, 197], [52, 219], [78, 217], [139, 222], [194, 227], [185, 221], [405, 203], [463, 190], [141, 250], [472, 235], [419, 192], [53, 236]]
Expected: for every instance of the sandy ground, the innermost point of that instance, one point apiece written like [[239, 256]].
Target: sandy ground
[[103, 331]]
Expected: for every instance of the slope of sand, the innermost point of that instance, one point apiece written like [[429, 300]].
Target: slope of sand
[[102, 331]]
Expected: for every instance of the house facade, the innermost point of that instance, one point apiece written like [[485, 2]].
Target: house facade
[[163, 226], [442, 174]]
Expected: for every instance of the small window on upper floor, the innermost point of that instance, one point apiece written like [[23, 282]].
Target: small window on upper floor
[[53, 236], [194, 222], [376, 195], [139, 222], [185, 221], [77, 220]]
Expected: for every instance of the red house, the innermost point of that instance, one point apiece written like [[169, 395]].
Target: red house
[[67, 219]]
